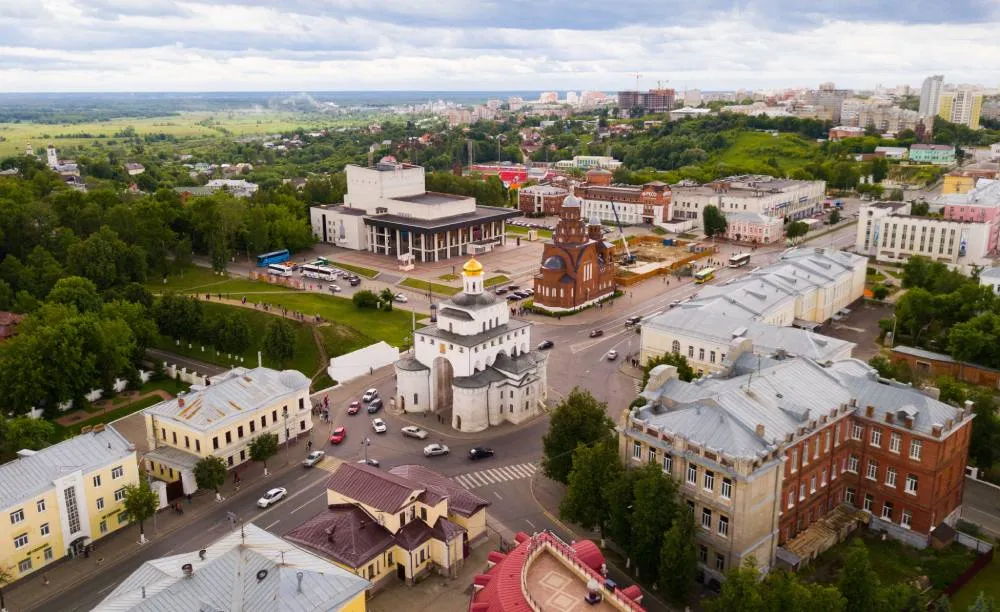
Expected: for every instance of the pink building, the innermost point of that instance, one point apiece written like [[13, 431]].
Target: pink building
[[980, 205], [753, 228]]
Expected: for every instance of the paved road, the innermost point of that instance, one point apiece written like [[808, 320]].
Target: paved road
[[981, 505], [192, 365]]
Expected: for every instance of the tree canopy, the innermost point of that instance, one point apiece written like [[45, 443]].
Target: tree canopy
[[578, 419]]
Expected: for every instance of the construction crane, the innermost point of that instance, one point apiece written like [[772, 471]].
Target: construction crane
[[629, 257]]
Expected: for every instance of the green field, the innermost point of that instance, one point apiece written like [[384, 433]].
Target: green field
[[184, 125], [422, 285], [986, 581], [359, 270], [523, 231], [495, 280], [753, 152]]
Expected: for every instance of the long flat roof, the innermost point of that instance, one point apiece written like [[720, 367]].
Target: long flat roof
[[431, 198], [481, 214]]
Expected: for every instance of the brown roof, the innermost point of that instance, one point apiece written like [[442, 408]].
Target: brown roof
[[345, 533], [445, 530], [8, 321], [460, 500], [413, 534], [385, 491]]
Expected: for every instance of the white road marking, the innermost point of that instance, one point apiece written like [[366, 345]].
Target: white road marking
[[272, 525], [498, 495], [496, 475], [307, 503], [107, 588], [532, 524]]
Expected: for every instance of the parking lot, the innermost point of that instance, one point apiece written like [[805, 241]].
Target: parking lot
[[859, 327]]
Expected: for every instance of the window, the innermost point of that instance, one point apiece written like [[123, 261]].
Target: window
[[187, 441], [802, 491], [104, 526], [857, 431], [174, 435], [812, 484], [24, 565], [692, 474], [791, 499], [852, 464], [122, 518], [675, 348], [826, 441], [239, 431], [40, 505], [48, 554], [872, 470], [263, 421], [711, 356], [890, 477], [723, 526], [895, 441], [876, 437], [701, 354], [816, 447], [117, 472], [706, 518], [703, 554], [17, 516], [96, 480], [119, 495], [869, 502], [388, 558], [100, 503], [229, 437], [21, 541], [651, 455], [822, 479], [911, 484], [727, 488], [215, 443], [253, 428], [636, 450], [915, 448], [691, 352], [805, 453], [720, 562], [274, 417], [906, 520], [423, 513], [795, 460], [708, 482], [836, 434], [887, 511], [849, 495], [44, 530], [668, 463]]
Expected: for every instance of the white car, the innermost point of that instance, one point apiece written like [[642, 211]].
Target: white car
[[412, 431], [369, 395], [313, 458], [271, 497], [401, 298], [433, 450], [379, 426], [334, 289], [612, 355]]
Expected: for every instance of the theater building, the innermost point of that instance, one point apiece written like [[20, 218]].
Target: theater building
[[577, 264]]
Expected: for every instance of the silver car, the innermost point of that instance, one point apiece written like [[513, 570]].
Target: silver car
[[313, 458], [412, 431], [433, 450]]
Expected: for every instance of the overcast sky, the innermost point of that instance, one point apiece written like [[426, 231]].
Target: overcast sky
[[320, 45]]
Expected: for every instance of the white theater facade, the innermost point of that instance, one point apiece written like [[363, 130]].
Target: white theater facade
[[475, 361]]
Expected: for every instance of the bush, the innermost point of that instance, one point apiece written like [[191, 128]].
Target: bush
[[870, 271], [365, 299], [880, 292]]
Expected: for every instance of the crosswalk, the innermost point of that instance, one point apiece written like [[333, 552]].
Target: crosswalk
[[490, 476]]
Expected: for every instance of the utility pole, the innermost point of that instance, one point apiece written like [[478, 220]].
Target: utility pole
[[366, 443], [284, 413]]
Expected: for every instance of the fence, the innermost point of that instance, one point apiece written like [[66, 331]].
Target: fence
[[981, 561]]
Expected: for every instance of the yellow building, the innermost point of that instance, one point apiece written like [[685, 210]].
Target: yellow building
[[221, 419], [397, 523], [961, 106], [60, 499], [248, 569], [963, 181]]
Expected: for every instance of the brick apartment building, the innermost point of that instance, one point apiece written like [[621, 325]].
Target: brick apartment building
[[541, 199], [635, 204], [652, 101], [577, 264], [777, 456]]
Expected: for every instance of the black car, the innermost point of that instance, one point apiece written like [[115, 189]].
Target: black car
[[629, 322], [480, 452], [520, 295], [545, 344], [512, 287], [597, 333], [501, 291], [375, 405], [512, 297], [355, 282]]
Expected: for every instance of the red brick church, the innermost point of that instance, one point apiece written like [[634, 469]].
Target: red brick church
[[578, 265]]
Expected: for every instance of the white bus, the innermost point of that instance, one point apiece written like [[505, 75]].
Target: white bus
[[738, 261], [279, 270], [318, 272]]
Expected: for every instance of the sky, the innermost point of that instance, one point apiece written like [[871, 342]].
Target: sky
[[491, 45]]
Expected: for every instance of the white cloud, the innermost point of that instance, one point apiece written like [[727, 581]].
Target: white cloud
[[197, 45]]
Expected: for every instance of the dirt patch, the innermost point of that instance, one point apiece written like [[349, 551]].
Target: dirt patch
[[105, 406]]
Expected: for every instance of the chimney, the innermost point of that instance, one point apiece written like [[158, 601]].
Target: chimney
[[949, 424], [361, 524], [329, 534], [180, 402], [936, 430], [759, 430], [299, 575], [889, 418], [201, 554], [932, 392], [854, 402], [188, 570], [869, 411], [909, 422]]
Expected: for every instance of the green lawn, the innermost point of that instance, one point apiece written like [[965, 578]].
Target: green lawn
[[986, 581], [517, 229], [359, 270], [495, 280], [422, 285], [751, 152], [448, 277]]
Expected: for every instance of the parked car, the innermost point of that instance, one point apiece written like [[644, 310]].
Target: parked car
[[369, 461], [612, 355], [528, 292], [520, 294], [629, 322], [354, 408], [545, 344], [512, 287], [401, 298], [354, 282], [480, 452], [597, 333], [334, 289], [313, 458], [501, 291], [271, 497], [379, 426], [512, 297], [675, 303], [338, 435], [375, 405], [369, 395], [433, 450], [412, 431]]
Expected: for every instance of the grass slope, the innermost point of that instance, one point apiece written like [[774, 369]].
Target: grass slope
[[751, 153], [422, 285]]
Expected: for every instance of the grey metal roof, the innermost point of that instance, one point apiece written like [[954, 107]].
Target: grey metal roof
[[921, 353], [227, 580], [454, 313], [480, 338], [231, 396], [27, 477], [411, 365], [478, 380], [992, 272], [174, 457], [470, 301], [481, 214]]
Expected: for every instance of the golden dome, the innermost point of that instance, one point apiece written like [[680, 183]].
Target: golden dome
[[472, 268]]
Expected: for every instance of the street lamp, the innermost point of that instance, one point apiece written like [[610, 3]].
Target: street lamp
[[366, 443], [284, 414]]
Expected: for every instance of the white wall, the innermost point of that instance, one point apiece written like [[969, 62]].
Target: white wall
[[466, 360], [355, 232], [366, 186]]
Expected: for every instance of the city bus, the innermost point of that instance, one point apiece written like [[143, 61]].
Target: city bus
[[705, 275], [318, 272], [279, 270], [274, 257], [738, 261]]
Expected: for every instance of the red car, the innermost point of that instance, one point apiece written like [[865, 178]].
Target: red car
[[338, 435], [354, 407]]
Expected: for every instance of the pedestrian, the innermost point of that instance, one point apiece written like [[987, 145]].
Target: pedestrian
[[371, 371], [45, 578], [189, 498], [100, 562], [309, 446]]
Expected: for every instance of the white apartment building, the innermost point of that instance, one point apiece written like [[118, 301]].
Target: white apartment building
[[930, 93], [888, 232], [587, 162], [766, 195]]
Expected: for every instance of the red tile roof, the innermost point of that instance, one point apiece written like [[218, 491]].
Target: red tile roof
[[373, 487], [461, 501]]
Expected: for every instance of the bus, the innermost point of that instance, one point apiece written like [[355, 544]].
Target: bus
[[738, 261], [705, 275], [318, 272], [274, 257], [279, 270]]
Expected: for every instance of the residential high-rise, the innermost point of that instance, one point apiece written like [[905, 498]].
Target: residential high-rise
[[962, 106], [652, 101], [930, 93]]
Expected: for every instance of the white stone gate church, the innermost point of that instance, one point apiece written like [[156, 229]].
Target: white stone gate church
[[476, 361]]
